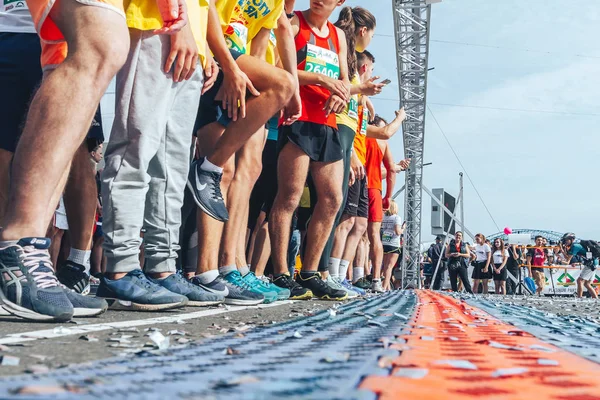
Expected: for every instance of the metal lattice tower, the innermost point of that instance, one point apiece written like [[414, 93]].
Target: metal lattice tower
[[411, 28]]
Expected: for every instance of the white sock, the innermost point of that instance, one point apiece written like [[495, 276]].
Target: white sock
[[334, 267], [208, 276], [357, 273], [81, 257], [343, 269], [244, 270], [227, 269], [208, 166]]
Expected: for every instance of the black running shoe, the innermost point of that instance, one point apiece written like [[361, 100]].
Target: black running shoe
[[206, 188], [73, 276], [297, 292], [319, 287]]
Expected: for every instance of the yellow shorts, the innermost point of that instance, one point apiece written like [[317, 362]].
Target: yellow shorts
[[54, 47], [540, 279]]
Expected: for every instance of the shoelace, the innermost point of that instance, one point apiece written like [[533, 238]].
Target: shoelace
[[35, 260], [260, 282], [217, 186], [338, 285], [239, 281], [289, 282]]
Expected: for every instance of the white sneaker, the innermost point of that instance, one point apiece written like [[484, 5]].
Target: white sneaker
[[376, 286], [335, 284]]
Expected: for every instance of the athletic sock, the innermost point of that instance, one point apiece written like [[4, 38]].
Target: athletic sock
[[344, 265], [226, 270], [306, 275], [334, 267], [244, 270], [210, 167], [81, 257], [357, 273], [208, 276]]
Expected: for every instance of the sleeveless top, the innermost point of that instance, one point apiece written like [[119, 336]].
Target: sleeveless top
[[360, 146], [319, 55], [373, 165], [349, 117]]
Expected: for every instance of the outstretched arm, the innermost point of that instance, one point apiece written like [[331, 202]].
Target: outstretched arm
[[389, 130]]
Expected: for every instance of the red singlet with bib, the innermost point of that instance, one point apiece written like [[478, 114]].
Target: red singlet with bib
[[319, 55]]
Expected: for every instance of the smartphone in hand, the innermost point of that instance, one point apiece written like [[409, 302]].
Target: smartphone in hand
[[385, 82]]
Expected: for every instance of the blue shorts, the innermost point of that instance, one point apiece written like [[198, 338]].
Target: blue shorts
[[210, 110], [20, 75]]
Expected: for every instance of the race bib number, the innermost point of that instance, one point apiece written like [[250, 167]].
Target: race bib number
[[13, 5], [353, 108], [589, 255], [322, 61], [365, 121], [386, 237], [236, 37]]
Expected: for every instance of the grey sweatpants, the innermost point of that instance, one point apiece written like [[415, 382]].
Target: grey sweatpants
[[147, 158]]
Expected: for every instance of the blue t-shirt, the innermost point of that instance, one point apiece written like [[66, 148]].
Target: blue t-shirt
[[577, 250]]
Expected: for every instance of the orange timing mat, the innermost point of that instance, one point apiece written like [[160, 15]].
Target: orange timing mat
[[456, 351]]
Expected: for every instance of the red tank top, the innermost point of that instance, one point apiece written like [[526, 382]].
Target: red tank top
[[373, 164], [320, 55]]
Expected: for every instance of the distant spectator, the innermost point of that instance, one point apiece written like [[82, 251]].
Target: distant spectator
[[536, 259], [482, 272], [458, 254], [435, 253], [512, 267], [391, 230], [499, 257]]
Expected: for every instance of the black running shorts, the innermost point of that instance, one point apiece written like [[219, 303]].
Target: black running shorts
[[357, 202], [320, 142]]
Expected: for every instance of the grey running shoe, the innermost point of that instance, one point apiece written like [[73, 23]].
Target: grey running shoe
[[217, 286], [196, 295], [336, 285], [239, 293], [85, 306], [376, 286], [28, 287], [206, 188]]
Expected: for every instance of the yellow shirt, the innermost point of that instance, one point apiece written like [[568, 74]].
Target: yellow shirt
[[349, 117], [271, 55], [241, 20], [144, 15]]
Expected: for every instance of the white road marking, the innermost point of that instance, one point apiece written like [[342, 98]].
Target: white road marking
[[83, 329]]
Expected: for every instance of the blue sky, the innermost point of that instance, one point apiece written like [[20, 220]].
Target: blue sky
[[528, 166]]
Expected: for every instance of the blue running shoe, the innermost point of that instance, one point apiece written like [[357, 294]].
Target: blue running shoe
[[28, 287], [239, 291], [85, 306], [197, 297], [258, 286], [206, 188], [282, 293], [135, 292], [346, 283]]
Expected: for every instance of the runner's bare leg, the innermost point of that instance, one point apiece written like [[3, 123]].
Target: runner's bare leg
[[61, 112]]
